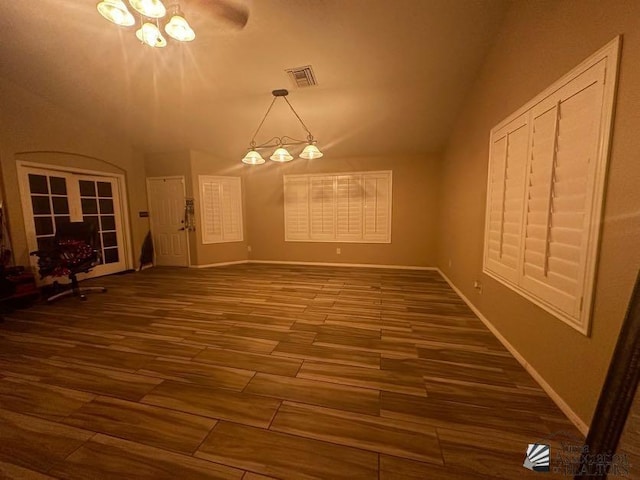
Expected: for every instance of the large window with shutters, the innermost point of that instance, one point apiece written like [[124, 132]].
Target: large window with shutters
[[546, 177], [343, 207], [221, 209]]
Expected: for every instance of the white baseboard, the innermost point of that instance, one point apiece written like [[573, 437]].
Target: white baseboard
[[318, 264], [325, 264], [221, 264], [559, 401]]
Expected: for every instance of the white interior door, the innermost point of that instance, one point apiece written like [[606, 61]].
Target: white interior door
[[166, 212], [54, 197]]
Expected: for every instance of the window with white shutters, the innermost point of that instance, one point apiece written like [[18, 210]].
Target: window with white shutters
[[346, 207], [544, 192], [221, 209]]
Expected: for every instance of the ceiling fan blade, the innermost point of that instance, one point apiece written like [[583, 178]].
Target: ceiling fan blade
[[231, 12]]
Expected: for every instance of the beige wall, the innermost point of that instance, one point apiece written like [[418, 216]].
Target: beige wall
[[34, 130], [414, 212], [539, 42]]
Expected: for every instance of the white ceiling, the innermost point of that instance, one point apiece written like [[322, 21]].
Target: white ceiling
[[392, 73]]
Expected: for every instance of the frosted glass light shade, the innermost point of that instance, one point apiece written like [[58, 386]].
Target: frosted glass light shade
[[179, 29], [150, 34], [281, 155], [149, 8], [116, 12], [253, 158], [310, 152]]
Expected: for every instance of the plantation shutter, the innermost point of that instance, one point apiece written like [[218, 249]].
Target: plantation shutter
[[508, 158], [322, 206], [211, 212], [377, 207], [560, 190], [349, 205], [296, 208], [231, 210], [221, 206]]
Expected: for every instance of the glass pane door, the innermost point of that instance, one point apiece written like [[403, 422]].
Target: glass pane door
[[52, 198], [96, 199]]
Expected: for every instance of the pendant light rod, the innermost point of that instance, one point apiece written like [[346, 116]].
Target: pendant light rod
[[253, 142], [297, 116]]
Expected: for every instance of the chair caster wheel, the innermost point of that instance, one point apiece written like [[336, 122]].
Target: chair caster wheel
[[83, 298]]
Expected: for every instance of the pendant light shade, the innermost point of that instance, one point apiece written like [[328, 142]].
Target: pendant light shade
[[149, 8], [116, 12], [179, 29], [281, 155], [310, 152], [253, 158], [150, 34]]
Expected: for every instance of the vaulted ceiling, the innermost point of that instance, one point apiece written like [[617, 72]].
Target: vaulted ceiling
[[392, 74]]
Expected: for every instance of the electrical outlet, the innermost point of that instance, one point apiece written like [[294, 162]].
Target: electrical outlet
[[249, 248], [338, 251], [449, 263], [478, 286]]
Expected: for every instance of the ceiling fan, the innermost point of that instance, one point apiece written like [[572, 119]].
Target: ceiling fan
[[232, 13]]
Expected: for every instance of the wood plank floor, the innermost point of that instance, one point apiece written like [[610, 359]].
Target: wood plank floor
[[264, 371]]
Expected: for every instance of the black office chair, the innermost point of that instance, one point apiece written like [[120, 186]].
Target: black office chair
[[74, 251]]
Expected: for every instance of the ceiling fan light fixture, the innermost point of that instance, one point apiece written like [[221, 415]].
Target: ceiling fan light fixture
[[116, 12], [179, 29], [310, 152], [149, 34], [253, 158], [149, 8], [281, 155]]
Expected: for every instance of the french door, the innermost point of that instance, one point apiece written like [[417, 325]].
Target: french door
[[52, 198]]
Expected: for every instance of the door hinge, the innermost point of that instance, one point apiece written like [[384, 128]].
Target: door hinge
[[581, 302]]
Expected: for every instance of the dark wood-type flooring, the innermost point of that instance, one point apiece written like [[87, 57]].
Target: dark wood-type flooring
[[264, 371]]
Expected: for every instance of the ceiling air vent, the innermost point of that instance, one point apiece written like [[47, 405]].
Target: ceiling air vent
[[302, 76]]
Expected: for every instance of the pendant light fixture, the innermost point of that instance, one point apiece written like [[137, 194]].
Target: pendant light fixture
[[281, 154], [153, 15]]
